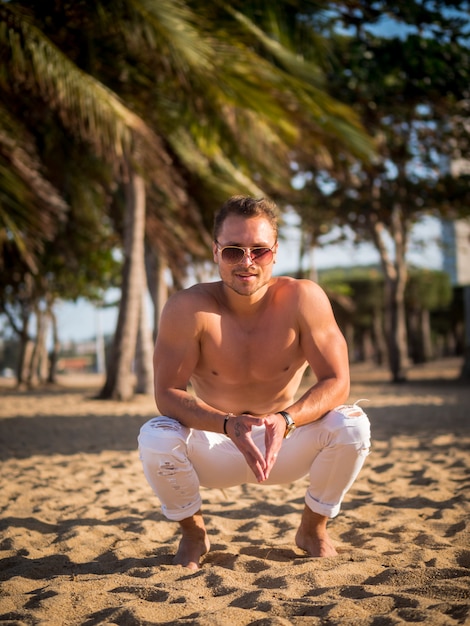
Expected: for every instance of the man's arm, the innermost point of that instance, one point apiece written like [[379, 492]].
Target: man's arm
[[326, 351], [175, 357]]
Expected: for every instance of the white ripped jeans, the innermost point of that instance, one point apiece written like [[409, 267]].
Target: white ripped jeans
[[178, 460]]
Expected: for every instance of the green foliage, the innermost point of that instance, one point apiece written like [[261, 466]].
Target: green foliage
[[429, 290], [363, 286], [358, 272], [30, 206], [203, 101], [426, 289], [410, 89], [81, 261]]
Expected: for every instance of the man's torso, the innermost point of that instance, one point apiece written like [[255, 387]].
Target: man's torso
[[250, 363]]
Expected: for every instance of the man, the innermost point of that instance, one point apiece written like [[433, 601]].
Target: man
[[229, 358]]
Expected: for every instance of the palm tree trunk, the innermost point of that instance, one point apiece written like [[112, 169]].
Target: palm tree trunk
[[120, 380], [156, 269], [144, 353]]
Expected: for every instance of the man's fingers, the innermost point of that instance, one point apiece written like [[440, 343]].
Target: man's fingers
[[273, 441], [256, 460], [257, 466]]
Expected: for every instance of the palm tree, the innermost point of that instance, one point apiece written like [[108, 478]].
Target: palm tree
[[229, 116], [219, 114], [44, 90]]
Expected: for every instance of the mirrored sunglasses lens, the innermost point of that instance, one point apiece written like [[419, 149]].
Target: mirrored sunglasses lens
[[232, 255], [262, 255]]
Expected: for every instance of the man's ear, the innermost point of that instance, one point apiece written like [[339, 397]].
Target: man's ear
[[215, 251], [276, 247]]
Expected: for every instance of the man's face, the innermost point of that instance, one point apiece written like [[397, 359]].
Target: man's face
[[249, 274]]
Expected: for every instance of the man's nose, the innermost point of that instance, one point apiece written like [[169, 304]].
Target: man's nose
[[247, 260]]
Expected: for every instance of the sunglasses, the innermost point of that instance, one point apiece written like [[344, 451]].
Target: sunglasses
[[235, 254]]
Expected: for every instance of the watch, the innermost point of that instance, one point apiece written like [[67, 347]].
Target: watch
[[290, 424]]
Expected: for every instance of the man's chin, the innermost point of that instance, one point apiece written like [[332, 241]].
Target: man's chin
[[244, 289]]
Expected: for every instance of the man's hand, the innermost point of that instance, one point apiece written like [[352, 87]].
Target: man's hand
[[239, 430], [275, 431]]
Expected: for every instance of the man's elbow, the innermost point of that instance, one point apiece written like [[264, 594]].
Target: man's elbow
[[343, 389], [162, 399]]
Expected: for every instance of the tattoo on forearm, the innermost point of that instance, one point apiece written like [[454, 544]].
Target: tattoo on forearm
[[237, 429], [189, 403]]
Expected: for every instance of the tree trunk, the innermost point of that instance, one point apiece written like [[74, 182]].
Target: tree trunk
[[396, 275], [43, 368], [37, 369], [368, 350], [24, 364], [100, 347], [415, 339], [156, 266], [395, 325], [54, 355], [20, 325], [26, 347], [120, 380], [465, 373], [419, 338], [381, 350], [426, 335], [144, 354]]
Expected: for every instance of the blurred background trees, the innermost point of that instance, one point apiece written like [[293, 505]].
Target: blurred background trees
[[124, 125], [405, 69]]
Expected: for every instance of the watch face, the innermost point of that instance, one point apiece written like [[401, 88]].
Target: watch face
[[289, 431], [290, 424]]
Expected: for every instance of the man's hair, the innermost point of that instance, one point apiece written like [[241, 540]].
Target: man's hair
[[245, 206]]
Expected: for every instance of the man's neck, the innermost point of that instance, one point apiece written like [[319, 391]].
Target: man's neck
[[246, 305]]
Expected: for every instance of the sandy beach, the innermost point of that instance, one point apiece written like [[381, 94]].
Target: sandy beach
[[83, 541]]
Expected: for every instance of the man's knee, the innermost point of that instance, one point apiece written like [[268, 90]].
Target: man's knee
[[347, 424], [162, 435]]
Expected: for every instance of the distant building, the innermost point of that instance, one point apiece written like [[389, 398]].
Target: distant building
[[456, 244], [84, 363]]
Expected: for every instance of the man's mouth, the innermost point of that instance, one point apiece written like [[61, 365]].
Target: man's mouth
[[245, 275]]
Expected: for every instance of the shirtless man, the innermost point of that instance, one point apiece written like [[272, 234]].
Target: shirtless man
[[229, 358]]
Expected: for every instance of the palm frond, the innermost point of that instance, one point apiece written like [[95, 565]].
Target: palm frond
[[86, 106], [170, 25], [30, 206]]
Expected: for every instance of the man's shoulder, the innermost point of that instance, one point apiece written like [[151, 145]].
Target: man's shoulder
[[302, 295], [297, 285], [195, 295]]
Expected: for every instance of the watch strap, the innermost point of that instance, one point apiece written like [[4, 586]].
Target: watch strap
[[288, 419]]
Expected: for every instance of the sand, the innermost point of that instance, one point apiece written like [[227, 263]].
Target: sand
[[83, 542]]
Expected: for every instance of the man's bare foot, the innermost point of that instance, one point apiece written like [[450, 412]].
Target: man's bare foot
[[312, 535], [194, 542]]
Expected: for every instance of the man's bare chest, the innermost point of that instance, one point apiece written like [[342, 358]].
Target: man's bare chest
[[254, 348]]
